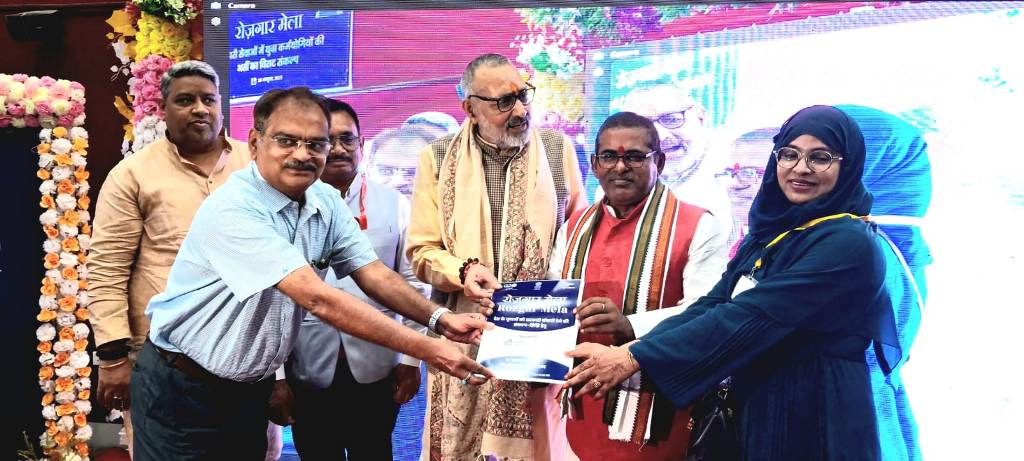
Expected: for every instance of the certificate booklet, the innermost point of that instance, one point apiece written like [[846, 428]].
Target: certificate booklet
[[534, 328]]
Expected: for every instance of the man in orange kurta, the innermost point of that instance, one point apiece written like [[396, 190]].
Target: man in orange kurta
[[642, 255]]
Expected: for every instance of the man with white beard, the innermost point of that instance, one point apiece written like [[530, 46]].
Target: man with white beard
[[487, 202]]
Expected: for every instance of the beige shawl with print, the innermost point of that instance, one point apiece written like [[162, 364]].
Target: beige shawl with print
[[498, 418]]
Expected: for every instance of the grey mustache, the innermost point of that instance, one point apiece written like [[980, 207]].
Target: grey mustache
[[301, 166]]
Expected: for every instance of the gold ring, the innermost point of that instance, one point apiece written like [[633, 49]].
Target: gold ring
[[604, 308], [596, 384]]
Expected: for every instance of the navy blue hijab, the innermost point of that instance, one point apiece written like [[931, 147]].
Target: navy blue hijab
[[772, 213]]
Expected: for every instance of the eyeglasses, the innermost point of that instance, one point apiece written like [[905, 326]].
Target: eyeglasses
[[349, 142], [671, 120], [507, 102], [742, 174], [314, 146], [818, 160], [631, 158]]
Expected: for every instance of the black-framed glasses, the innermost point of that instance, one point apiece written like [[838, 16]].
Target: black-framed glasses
[[672, 120], [632, 158], [506, 102], [349, 142], [817, 160], [314, 146]]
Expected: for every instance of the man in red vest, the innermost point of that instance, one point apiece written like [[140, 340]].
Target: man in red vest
[[643, 255]]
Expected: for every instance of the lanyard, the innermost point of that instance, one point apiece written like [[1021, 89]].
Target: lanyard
[[361, 219], [804, 226]]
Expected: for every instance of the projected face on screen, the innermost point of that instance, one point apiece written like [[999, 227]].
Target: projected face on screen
[[680, 123], [395, 154], [742, 176]]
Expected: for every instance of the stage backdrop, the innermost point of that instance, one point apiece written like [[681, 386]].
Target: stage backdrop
[[949, 72]]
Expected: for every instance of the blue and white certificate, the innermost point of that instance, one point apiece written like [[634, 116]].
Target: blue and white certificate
[[534, 328]]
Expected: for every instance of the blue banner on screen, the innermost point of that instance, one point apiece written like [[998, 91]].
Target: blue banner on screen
[[277, 49]]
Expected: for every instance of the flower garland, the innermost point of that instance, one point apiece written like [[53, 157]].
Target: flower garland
[[149, 36], [40, 102], [64, 359]]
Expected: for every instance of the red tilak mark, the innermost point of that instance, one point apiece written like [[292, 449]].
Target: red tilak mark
[[622, 150]]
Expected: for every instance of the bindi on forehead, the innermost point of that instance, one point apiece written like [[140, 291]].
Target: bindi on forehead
[[622, 150]]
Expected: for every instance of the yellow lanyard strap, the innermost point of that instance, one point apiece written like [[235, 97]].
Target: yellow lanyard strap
[[804, 226]]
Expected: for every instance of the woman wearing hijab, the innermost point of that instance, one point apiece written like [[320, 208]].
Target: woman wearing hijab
[[898, 174], [792, 315]]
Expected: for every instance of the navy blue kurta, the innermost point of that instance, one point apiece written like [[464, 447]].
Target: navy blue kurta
[[794, 344]]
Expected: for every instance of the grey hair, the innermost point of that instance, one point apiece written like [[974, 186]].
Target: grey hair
[[488, 60], [187, 69]]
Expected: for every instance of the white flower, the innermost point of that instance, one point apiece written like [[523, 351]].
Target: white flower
[[83, 406], [114, 415], [50, 412], [47, 121], [81, 331], [79, 359], [65, 397], [54, 274], [69, 287], [61, 173], [45, 161], [46, 441], [83, 384], [77, 160], [69, 231], [84, 216], [68, 259], [46, 332], [83, 299], [66, 202], [83, 270], [65, 371], [51, 246], [47, 187], [18, 123], [85, 242], [46, 358], [64, 345], [60, 146], [45, 134], [66, 422], [65, 319], [83, 189], [84, 433], [78, 95], [48, 302], [49, 217], [79, 121], [78, 132]]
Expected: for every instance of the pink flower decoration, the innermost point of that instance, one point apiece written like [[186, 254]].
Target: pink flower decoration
[[76, 109], [15, 109], [19, 77], [43, 109], [30, 88], [150, 107], [5, 122], [66, 120], [47, 81], [151, 92], [77, 86], [31, 120], [5, 88], [60, 92], [152, 78]]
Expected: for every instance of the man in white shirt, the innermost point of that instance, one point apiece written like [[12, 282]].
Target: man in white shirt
[[332, 373]]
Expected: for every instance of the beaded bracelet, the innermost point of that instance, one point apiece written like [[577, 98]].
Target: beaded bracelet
[[465, 268]]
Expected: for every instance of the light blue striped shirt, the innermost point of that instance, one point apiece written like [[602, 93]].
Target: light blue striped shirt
[[221, 306]]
